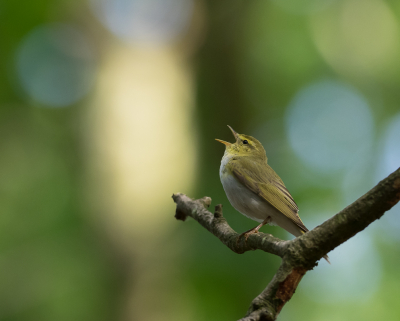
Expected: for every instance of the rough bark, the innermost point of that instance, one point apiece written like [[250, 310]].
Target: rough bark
[[302, 253]]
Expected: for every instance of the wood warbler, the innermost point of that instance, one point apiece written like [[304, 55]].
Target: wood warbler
[[254, 189]]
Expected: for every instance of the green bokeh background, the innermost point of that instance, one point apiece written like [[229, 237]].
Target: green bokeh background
[[251, 59]]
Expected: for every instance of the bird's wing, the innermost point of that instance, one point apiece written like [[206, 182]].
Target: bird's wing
[[262, 180]]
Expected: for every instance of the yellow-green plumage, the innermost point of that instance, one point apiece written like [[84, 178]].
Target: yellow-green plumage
[[261, 179], [253, 187]]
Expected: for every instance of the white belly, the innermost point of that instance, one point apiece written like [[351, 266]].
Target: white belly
[[245, 201], [242, 199], [250, 204]]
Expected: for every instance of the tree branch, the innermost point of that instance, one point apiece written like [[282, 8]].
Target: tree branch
[[348, 222], [302, 253], [217, 225]]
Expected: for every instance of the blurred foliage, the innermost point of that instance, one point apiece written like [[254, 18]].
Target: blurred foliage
[[54, 265], [254, 59]]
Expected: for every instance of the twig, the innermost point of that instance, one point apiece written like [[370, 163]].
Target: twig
[[217, 225]]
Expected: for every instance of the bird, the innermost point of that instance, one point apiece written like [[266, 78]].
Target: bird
[[254, 189]]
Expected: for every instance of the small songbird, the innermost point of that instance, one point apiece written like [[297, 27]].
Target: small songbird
[[254, 189]]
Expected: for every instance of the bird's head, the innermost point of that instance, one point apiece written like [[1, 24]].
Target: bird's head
[[245, 145]]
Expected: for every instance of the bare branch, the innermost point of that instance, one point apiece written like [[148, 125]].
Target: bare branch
[[348, 222], [217, 225], [298, 255]]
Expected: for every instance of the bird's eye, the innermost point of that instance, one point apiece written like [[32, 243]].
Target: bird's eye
[[245, 142]]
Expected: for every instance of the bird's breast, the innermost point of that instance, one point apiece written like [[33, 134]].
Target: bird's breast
[[223, 170], [242, 198]]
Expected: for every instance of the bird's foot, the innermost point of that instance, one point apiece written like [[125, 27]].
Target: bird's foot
[[247, 234], [254, 230]]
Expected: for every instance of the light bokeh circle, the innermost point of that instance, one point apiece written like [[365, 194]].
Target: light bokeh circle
[[329, 125], [358, 38], [144, 21], [56, 64]]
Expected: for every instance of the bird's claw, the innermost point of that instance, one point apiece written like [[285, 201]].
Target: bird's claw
[[246, 235]]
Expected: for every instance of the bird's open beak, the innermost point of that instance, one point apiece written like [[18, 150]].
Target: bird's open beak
[[223, 142], [234, 134]]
